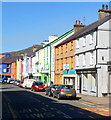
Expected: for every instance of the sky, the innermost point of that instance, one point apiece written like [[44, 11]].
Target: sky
[[28, 23]]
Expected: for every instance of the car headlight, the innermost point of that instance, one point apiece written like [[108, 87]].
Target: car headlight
[[36, 86]]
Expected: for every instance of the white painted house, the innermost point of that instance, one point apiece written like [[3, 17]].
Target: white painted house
[[93, 53]]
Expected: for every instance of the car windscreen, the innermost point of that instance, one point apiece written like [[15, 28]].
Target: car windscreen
[[68, 87], [39, 83]]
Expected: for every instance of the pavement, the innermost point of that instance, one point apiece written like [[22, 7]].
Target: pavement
[[103, 104], [101, 101]]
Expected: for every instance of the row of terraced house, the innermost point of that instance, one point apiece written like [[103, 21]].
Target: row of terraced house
[[81, 57]]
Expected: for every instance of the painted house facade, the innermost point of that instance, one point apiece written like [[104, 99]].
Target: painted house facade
[[8, 65], [47, 57], [65, 59], [92, 55]]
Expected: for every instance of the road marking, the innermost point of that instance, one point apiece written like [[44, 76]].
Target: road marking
[[91, 104], [100, 111], [87, 105]]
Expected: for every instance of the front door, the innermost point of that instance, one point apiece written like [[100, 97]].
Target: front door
[[80, 84]]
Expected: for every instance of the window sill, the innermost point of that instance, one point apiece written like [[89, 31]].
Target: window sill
[[91, 64], [85, 90], [84, 46], [84, 65], [93, 91]]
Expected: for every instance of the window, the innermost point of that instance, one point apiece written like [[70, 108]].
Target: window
[[85, 82], [71, 62], [61, 64], [77, 44], [91, 58], [8, 65], [77, 60], [8, 70], [84, 41], [91, 38], [66, 47], [71, 45], [93, 82], [61, 49], [57, 51], [84, 61]]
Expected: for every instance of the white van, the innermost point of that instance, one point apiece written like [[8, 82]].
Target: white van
[[28, 83]]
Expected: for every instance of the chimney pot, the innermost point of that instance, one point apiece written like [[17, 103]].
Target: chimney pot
[[78, 22], [102, 6], [106, 7]]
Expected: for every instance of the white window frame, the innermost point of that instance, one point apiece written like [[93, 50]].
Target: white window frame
[[91, 39], [77, 60], [84, 60], [84, 41], [77, 44], [91, 58]]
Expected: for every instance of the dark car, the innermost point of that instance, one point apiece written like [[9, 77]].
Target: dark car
[[65, 91], [20, 84], [38, 86], [49, 90]]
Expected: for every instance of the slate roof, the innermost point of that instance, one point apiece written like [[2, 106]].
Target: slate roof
[[19, 54], [86, 30]]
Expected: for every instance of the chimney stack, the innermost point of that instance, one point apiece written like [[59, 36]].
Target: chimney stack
[[78, 26], [103, 12]]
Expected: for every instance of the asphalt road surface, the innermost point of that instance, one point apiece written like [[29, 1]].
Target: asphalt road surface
[[20, 103]]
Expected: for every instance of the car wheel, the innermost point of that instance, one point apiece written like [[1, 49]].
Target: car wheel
[[53, 95], [49, 94], [31, 89], [58, 97], [34, 90], [46, 93]]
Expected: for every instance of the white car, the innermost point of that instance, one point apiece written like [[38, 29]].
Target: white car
[[28, 83]]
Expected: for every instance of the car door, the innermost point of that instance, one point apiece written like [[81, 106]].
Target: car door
[[57, 91]]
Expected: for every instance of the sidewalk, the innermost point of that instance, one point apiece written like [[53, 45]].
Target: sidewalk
[[102, 101]]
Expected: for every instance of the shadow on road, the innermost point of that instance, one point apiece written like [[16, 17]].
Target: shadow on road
[[28, 105]]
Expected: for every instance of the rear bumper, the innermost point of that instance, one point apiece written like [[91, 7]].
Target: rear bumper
[[67, 95], [39, 89]]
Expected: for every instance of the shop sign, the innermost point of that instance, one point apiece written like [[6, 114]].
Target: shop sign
[[66, 66]]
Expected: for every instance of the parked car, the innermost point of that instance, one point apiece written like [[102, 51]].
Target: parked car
[[17, 82], [65, 91], [28, 83], [3, 80], [49, 90], [38, 86], [10, 80], [20, 84]]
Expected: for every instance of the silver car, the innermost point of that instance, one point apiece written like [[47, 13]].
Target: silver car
[[65, 91]]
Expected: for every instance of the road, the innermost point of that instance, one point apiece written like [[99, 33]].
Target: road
[[20, 103]]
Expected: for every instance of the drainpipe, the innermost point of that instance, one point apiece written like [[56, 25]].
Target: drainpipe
[[96, 60], [50, 64]]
